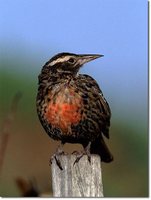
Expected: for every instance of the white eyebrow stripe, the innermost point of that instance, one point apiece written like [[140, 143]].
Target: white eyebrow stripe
[[59, 60]]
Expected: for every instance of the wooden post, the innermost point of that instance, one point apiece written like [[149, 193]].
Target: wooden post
[[83, 179]]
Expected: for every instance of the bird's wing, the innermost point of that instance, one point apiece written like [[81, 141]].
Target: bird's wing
[[100, 106]]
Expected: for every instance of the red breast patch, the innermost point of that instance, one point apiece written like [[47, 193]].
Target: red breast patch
[[65, 111]]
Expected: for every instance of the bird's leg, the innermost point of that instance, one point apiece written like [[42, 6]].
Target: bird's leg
[[59, 151], [86, 151]]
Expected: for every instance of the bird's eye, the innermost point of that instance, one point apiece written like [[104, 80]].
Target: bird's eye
[[71, 60]]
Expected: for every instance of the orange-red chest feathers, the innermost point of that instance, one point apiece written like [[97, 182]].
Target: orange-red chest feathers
[[64, 109]]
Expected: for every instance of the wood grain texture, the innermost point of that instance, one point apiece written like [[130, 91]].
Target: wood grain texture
[[83, 179]]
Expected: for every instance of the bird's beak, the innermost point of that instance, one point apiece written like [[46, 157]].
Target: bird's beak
[[84, 58]]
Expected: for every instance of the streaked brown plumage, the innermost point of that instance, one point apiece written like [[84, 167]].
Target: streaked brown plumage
[[71, 106]]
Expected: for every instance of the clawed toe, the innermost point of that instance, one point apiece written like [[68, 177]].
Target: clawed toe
[[89, 158], [78, 158], [55, 157], [58, 163], [81, 154]]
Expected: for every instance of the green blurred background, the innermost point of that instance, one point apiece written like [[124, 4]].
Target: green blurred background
[[32, 32]]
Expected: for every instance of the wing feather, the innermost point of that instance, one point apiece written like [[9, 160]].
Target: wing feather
[[95, 95]]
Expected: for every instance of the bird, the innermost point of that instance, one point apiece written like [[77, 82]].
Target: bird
[[71, 106]]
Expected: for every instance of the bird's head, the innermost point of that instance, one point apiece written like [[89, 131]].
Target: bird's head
[[69, 63]]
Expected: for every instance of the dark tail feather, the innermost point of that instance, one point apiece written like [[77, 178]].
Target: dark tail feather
[[99, 147]]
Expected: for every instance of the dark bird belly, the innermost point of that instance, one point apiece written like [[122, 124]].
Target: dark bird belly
[[76, 113]]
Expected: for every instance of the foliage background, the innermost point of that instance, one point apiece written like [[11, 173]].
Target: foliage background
[[34, 30]]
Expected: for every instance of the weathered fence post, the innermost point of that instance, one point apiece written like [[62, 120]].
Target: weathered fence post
[[83, 179]]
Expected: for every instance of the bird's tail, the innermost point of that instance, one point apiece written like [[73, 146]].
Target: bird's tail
[[99, 147]]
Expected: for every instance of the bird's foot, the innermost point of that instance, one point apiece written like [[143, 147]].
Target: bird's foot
[[86, 151], [57, 160], [56, 155]]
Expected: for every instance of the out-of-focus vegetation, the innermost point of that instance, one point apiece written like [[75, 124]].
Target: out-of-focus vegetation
[[29, 148]]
